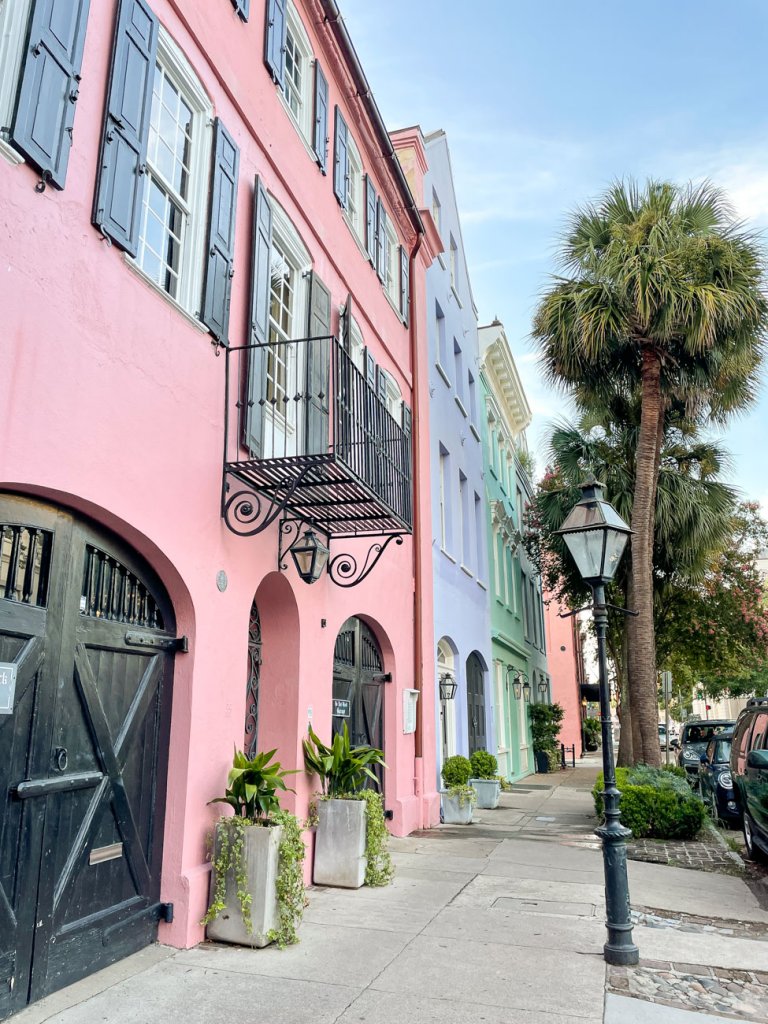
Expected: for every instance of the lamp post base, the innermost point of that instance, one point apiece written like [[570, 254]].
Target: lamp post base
[[621, 956]]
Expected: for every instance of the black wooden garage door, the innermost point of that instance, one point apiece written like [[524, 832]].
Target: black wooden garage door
[[86, 629]]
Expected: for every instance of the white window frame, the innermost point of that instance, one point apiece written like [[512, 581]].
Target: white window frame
[[354, 214], [14, 18], [358, 346], [297, 255], [305, 119], [394, 395], [454, 263], [193, 241], [392, 281]]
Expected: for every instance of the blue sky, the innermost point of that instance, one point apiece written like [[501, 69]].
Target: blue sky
[[545, 102]]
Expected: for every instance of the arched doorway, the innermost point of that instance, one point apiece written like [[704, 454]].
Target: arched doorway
[[446, 670], [358, 684], [87, 635], [475, 704]]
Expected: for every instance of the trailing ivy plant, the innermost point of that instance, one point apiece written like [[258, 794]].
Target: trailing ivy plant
[[379, 869], [252, 794]]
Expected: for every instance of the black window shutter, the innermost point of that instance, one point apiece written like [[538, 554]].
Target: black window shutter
[[48, 87], [119, 184], [371, 203], [219, 268], [274, 40], [381, 386], [340, 158], [242, 7], [318, 367], [370, 369], [381, 241], [320, 135], [256, 391], [407, 420], [346, 333], [405, 287]]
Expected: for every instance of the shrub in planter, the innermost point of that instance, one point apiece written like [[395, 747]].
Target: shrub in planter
[[257, 883], [546, 720], [592, 730], [484, 779], [351, 836], [655, 803], [459, 797]]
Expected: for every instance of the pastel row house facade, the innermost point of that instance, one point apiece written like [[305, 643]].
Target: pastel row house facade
[[215, 507]]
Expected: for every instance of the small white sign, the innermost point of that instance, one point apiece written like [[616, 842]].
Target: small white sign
[[7, 687], [410, 699]]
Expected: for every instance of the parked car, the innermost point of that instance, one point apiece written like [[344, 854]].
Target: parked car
[[716, 782], [662, 736], [749, 768], [693, 743]]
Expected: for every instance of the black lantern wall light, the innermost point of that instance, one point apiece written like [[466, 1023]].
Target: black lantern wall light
[[596, 536], [448, 686]]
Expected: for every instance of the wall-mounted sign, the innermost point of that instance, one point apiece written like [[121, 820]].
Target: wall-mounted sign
[[410, 699], [7, 687], [342, 708]]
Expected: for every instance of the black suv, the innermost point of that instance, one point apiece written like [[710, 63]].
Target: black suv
[[693, 743], [749, 769]]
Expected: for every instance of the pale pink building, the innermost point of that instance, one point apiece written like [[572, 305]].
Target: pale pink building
[[189, 190], [566, 674]]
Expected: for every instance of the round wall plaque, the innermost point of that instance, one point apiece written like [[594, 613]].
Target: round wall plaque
[[221, 580]]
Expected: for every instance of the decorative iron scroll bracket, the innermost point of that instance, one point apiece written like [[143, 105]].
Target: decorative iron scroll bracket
[[246, 512], [346, 571], [289, 534]]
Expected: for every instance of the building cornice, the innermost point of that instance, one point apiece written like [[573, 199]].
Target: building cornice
[[503, 378]]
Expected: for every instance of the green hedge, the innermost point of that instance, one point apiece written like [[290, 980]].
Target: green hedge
[[655, 802]]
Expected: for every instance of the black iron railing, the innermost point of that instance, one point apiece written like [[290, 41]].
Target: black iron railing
[[310, 422]]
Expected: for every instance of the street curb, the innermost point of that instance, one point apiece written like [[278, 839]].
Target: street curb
[[732, 855]]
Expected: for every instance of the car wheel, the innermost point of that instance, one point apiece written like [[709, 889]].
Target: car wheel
[[748, 828]]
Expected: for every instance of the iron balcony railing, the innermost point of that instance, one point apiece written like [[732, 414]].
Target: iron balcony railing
[[308, 420]]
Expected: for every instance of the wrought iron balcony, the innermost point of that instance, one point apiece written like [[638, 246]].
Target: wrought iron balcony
[[308, 438]]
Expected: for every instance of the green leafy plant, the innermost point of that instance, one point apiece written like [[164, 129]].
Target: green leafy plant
[[341, 768], [252, 786], [592, 730], [379, 869], [655, 803], [546, 720], [483, 765], [456, 771]]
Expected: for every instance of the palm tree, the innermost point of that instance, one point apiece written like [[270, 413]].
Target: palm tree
[[662, 291]]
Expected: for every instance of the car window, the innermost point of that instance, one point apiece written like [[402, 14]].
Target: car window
[[740, 745], [720, 751], [760, 732], [711, 751]]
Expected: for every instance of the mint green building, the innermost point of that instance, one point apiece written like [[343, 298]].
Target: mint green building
[[518, 645]]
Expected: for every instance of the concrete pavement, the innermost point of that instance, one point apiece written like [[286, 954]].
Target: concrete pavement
[[498, 922]]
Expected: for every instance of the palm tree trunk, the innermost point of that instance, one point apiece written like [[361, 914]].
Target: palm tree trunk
[[624, 756], [642, 648]]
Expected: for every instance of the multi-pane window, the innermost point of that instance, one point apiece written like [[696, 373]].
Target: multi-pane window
[[282, 300], [442, 344], [167, 184], [472, 397], [14, 15], [392, 282], [298, 76], [454, 253], [458, 368], [479, 539], [355, 198], [445, 499], [173, 213]]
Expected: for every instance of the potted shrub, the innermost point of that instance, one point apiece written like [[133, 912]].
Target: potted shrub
[[591, 733], [458, 796], [545, 720], [485, 780], [257, 879], [351, 835]]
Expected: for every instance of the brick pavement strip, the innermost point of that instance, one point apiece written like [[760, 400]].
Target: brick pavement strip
[[739, 995], [706, 853]]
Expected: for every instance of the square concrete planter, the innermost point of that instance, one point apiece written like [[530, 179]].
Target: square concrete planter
[[340, 844], [456, 812], [261, 854], [488, 793]]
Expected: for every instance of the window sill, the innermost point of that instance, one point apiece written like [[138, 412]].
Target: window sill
[[459, 303], [10, 154], [133, 265], [465, 569], [441, 259], [443, 374], [460, 404], [475, 432], [392, 303], [481, 584], [448, 556]]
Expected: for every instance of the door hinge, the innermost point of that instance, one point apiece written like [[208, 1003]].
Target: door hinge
[[166, 912], [162, 643]]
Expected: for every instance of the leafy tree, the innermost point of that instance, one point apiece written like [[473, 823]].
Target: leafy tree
[[662, 293]]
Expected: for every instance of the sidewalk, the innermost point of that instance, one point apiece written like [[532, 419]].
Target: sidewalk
[[498, 922]]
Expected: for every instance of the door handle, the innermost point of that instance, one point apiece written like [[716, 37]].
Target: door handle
[[60, 759]]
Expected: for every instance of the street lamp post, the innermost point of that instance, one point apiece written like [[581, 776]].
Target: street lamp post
[[596, 536]]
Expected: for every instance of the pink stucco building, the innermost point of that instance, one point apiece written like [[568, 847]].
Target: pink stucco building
[[189, 190], [566, 673]]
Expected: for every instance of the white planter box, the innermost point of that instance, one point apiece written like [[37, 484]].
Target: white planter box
[[261, 854], [340, 844], [454, 811], [488, 793]]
